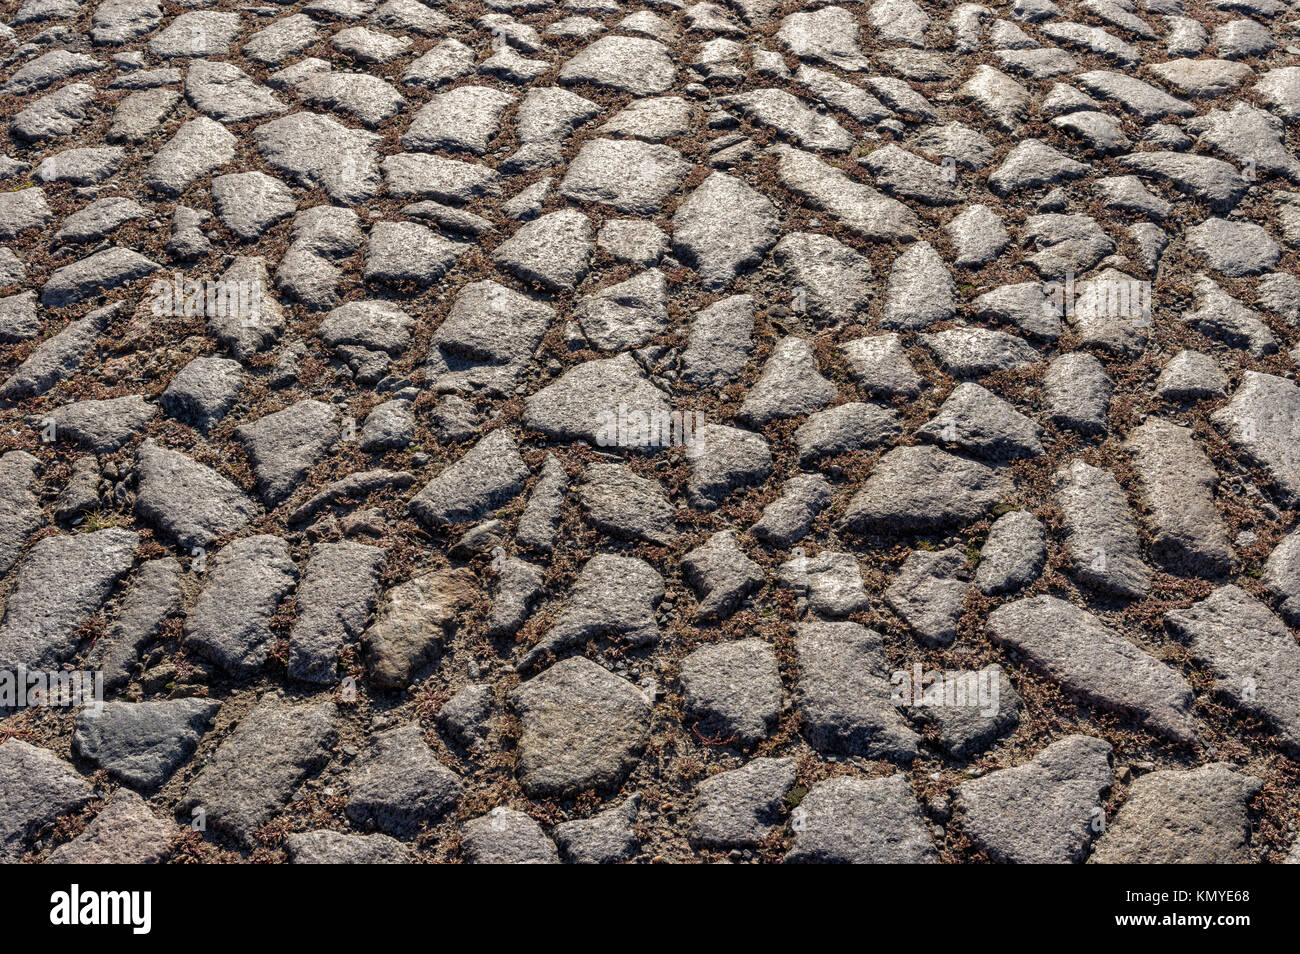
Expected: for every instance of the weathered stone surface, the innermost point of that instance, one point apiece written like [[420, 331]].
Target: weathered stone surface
[[486, 476], [1086, 657], [971, 352], [334, 601], [721, 575], [412, 622], [399, 785], [722, 227], [1210, 180], [101, 217], [1249, 651], [928, 594], [832, 282], [978, 236], [790, 517], [1261, 422], [321, 153], [537, 526], [552, 251], [1282, 576], [844, 429], [860, 208], [152, 597], [125, 832], [37, 788], [519, 586], [1077, 391], [251, 319], [969, 709], [581, 728], [55, 114], [1178, 487], [1033, 163], [102, 426], [829, 35], [983, 424], [446, 180], [844, 696], [906, 176], [248, 780], [732, 690], [789, 386], [626, 175], [999, 96], [587, 399], [142, 743], [186, 500], [230, 623], [1234, 249], [1190, 375], [1192, 817], [861, 821], [94, 274], [20, 510], [1013, 555], [623, 504], [831, 580], [721, 340], [1067, 244], [249, 202], [881, 366], [283, 446], [1046, 811], [225, 92], [793, 120], [923, 488], [614, 597], [737, 809], [507, 837], [335, 848], [603, 839], [1101, 535], [919, 291], [197, 149], [625, 315], [22, 210], [204, 390], [59, 584], [629, 64]]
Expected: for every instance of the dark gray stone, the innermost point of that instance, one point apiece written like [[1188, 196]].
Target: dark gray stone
[[732, 690], [230, 623], [249, 779], [1076, 649], [582, 728], [399, 785], [334, 601], [37, 788], [844, 695], [142, 743], [861, 821], [1046, 811], [507, 837], [604, 839], [737, 809]]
